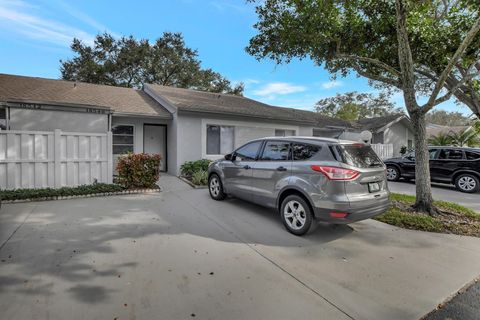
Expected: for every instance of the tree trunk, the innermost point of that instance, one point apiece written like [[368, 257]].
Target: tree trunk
[[424, 201]]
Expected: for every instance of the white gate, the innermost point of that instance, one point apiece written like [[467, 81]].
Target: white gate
[[40, 159], [384, 151]]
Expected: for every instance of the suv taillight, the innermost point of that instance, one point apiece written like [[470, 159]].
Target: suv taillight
[[336, 173]]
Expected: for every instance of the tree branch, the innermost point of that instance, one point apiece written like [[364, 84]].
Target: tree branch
[[405, 58], [375, 77], [458, 54], [375, 62], [427, 107]]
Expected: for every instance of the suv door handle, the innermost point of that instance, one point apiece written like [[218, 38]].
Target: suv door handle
[[246, 167], [281, 168]]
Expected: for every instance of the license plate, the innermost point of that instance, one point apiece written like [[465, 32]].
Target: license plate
[[373, 187]]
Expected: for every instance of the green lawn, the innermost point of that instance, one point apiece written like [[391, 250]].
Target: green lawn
[[454, 218]]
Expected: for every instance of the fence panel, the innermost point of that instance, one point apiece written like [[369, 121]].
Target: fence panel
[[40, 159], [384, 151]]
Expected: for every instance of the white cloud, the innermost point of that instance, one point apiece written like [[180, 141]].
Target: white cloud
[[21, 18], [74, 12], [225, 5], [331, 84], [278, 88], [250, 81]]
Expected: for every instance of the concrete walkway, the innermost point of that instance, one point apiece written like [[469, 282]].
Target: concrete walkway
[[181, 255]]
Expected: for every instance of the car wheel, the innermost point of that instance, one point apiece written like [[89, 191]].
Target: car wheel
[[467, 183], [215, 187], [393, 174], [296, 215]]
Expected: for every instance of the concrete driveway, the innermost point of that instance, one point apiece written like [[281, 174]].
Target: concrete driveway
[[180, 255], [440, 192]]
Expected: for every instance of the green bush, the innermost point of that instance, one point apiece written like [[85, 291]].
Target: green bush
[[139, 170], [190, 167], [200, 178], [22, 194]]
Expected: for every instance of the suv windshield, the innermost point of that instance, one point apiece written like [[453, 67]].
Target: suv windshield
[[358, 155]]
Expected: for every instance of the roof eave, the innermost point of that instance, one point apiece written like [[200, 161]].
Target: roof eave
[[142, 115], [313, 123], [9, 101]]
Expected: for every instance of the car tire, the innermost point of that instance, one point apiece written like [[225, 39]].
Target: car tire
[[215, 187], [296, 215], [393, 174], [468, 183]]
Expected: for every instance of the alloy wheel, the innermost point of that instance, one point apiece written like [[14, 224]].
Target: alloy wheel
[[214, 187], [391, 174], [467, 183], [295, 215]]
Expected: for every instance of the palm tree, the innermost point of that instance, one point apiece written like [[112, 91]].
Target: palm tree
[[468, 137], [441, 139]]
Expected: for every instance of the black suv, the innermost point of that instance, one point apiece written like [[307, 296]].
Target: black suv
[[458, 166]]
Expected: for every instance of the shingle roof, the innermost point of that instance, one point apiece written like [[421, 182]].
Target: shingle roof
[[120, 100], [435, 130], [377, 122], [208, 102]]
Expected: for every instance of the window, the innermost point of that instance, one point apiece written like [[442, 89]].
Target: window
[[472, 155], [358, 155], [284, 133], [450, 154], [304, 151], [248, 152], [3, 119], [276, 151], [122, 139], [219, 139], [432, 153]]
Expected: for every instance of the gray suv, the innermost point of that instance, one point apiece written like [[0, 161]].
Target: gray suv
[[305, 178]]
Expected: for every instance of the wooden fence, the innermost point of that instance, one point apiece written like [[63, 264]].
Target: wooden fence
[[38, 159], [384, 151]]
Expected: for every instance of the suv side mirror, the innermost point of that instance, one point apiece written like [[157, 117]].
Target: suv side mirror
[[230, 157]]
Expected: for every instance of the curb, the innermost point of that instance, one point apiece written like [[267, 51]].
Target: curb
[[91, 195], [191, 184]]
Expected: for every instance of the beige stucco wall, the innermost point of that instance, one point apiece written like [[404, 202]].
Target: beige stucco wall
[[49, 120], [138, 134], [192, 134]]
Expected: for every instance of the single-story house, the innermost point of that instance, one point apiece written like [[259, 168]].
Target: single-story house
[[393, 129], [180, 124]]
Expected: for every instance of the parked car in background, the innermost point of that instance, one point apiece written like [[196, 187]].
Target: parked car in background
[[304, 178], [452, 165]]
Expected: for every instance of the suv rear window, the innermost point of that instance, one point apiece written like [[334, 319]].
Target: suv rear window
[[304, 151], [472, 155], [450, 154], [358, 155]]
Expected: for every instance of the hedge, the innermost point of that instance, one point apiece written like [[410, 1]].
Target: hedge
[[23, 194]]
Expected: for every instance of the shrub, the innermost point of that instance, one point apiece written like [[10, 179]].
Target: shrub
[[22, 194], [200, 178], [139, 170], [190, 167], [403, 150]]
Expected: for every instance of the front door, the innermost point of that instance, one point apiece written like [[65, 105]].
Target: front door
[[271, 172], [155, 142], [238, 173]]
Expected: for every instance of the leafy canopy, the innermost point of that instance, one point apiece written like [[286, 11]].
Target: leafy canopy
[[361, 36], [446, 118], [128, 62], [354, 106]]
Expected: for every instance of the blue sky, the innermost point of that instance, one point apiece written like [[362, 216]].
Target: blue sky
[[35, 36]]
